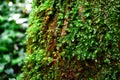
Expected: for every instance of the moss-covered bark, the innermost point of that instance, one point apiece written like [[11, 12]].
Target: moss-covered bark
[[73, 40]]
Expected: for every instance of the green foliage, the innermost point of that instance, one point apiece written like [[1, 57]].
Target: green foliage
[[72, 40], [12, 39]]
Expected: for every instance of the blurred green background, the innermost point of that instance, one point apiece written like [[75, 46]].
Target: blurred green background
[[13, 24]]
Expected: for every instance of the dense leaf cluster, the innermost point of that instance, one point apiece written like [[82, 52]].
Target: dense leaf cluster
[[12, 38], [73, 40]]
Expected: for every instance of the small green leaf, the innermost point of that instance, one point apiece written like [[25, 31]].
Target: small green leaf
[[16, 61], [108, 36], [107, 61], [1, 67], [9, 71], [87, 14]]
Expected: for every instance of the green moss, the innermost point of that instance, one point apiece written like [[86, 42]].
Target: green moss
[[73, 40]]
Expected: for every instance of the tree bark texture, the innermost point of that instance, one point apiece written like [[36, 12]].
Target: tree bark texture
[[73, 40]]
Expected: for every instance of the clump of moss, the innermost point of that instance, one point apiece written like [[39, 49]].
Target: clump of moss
[[72, 40]]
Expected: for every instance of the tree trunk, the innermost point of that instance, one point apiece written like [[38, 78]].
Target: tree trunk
[[73, 40]]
